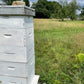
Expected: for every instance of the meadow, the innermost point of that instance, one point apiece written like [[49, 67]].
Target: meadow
[[59, 51]]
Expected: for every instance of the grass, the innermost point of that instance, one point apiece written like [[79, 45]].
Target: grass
[[57, 45]]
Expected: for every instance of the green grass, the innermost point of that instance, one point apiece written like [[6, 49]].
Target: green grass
[[57, 45]]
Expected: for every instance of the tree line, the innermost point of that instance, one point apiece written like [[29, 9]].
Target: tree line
[[59, 10], [82, 14], [53, 9]]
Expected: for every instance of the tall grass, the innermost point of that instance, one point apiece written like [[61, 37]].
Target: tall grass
[[57, 45]]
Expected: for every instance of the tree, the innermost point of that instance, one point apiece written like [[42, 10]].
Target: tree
[[82, 14], [46, 9], [73, 6], [53, 8], [64, 10], [41, 9], [27, 2]]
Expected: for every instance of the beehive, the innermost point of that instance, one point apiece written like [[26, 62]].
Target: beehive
[[17, 57]]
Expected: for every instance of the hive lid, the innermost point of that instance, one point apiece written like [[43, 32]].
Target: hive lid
[[16, 10]]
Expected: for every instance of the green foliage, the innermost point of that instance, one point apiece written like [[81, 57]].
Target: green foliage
[[41, 9], [73, 6], [27, 2], [46, 9], [82, 14], [68, 9], [53, 9], [64, 11], [80, 57]]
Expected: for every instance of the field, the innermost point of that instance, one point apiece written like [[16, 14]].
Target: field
[[59, 50]]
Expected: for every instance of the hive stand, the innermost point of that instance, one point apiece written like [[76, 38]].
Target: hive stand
[[17, 57]]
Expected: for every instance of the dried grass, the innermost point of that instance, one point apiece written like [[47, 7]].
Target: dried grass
[[49, 24], [79, 40]]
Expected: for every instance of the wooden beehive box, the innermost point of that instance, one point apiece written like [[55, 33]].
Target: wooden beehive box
[[17, 57]]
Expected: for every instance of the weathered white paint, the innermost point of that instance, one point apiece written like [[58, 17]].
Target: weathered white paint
[[35, 79], [13, 54], [13, 80], [17, 69], [16, 10], [16, 37], [17, 56], [12, 37], [16, 22]]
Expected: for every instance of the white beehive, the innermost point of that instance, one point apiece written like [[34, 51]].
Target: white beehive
[[17, 57]]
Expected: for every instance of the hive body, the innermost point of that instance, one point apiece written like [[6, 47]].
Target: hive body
[[17, 57]]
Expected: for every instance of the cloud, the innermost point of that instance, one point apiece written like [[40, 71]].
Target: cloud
[[31, 3]]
